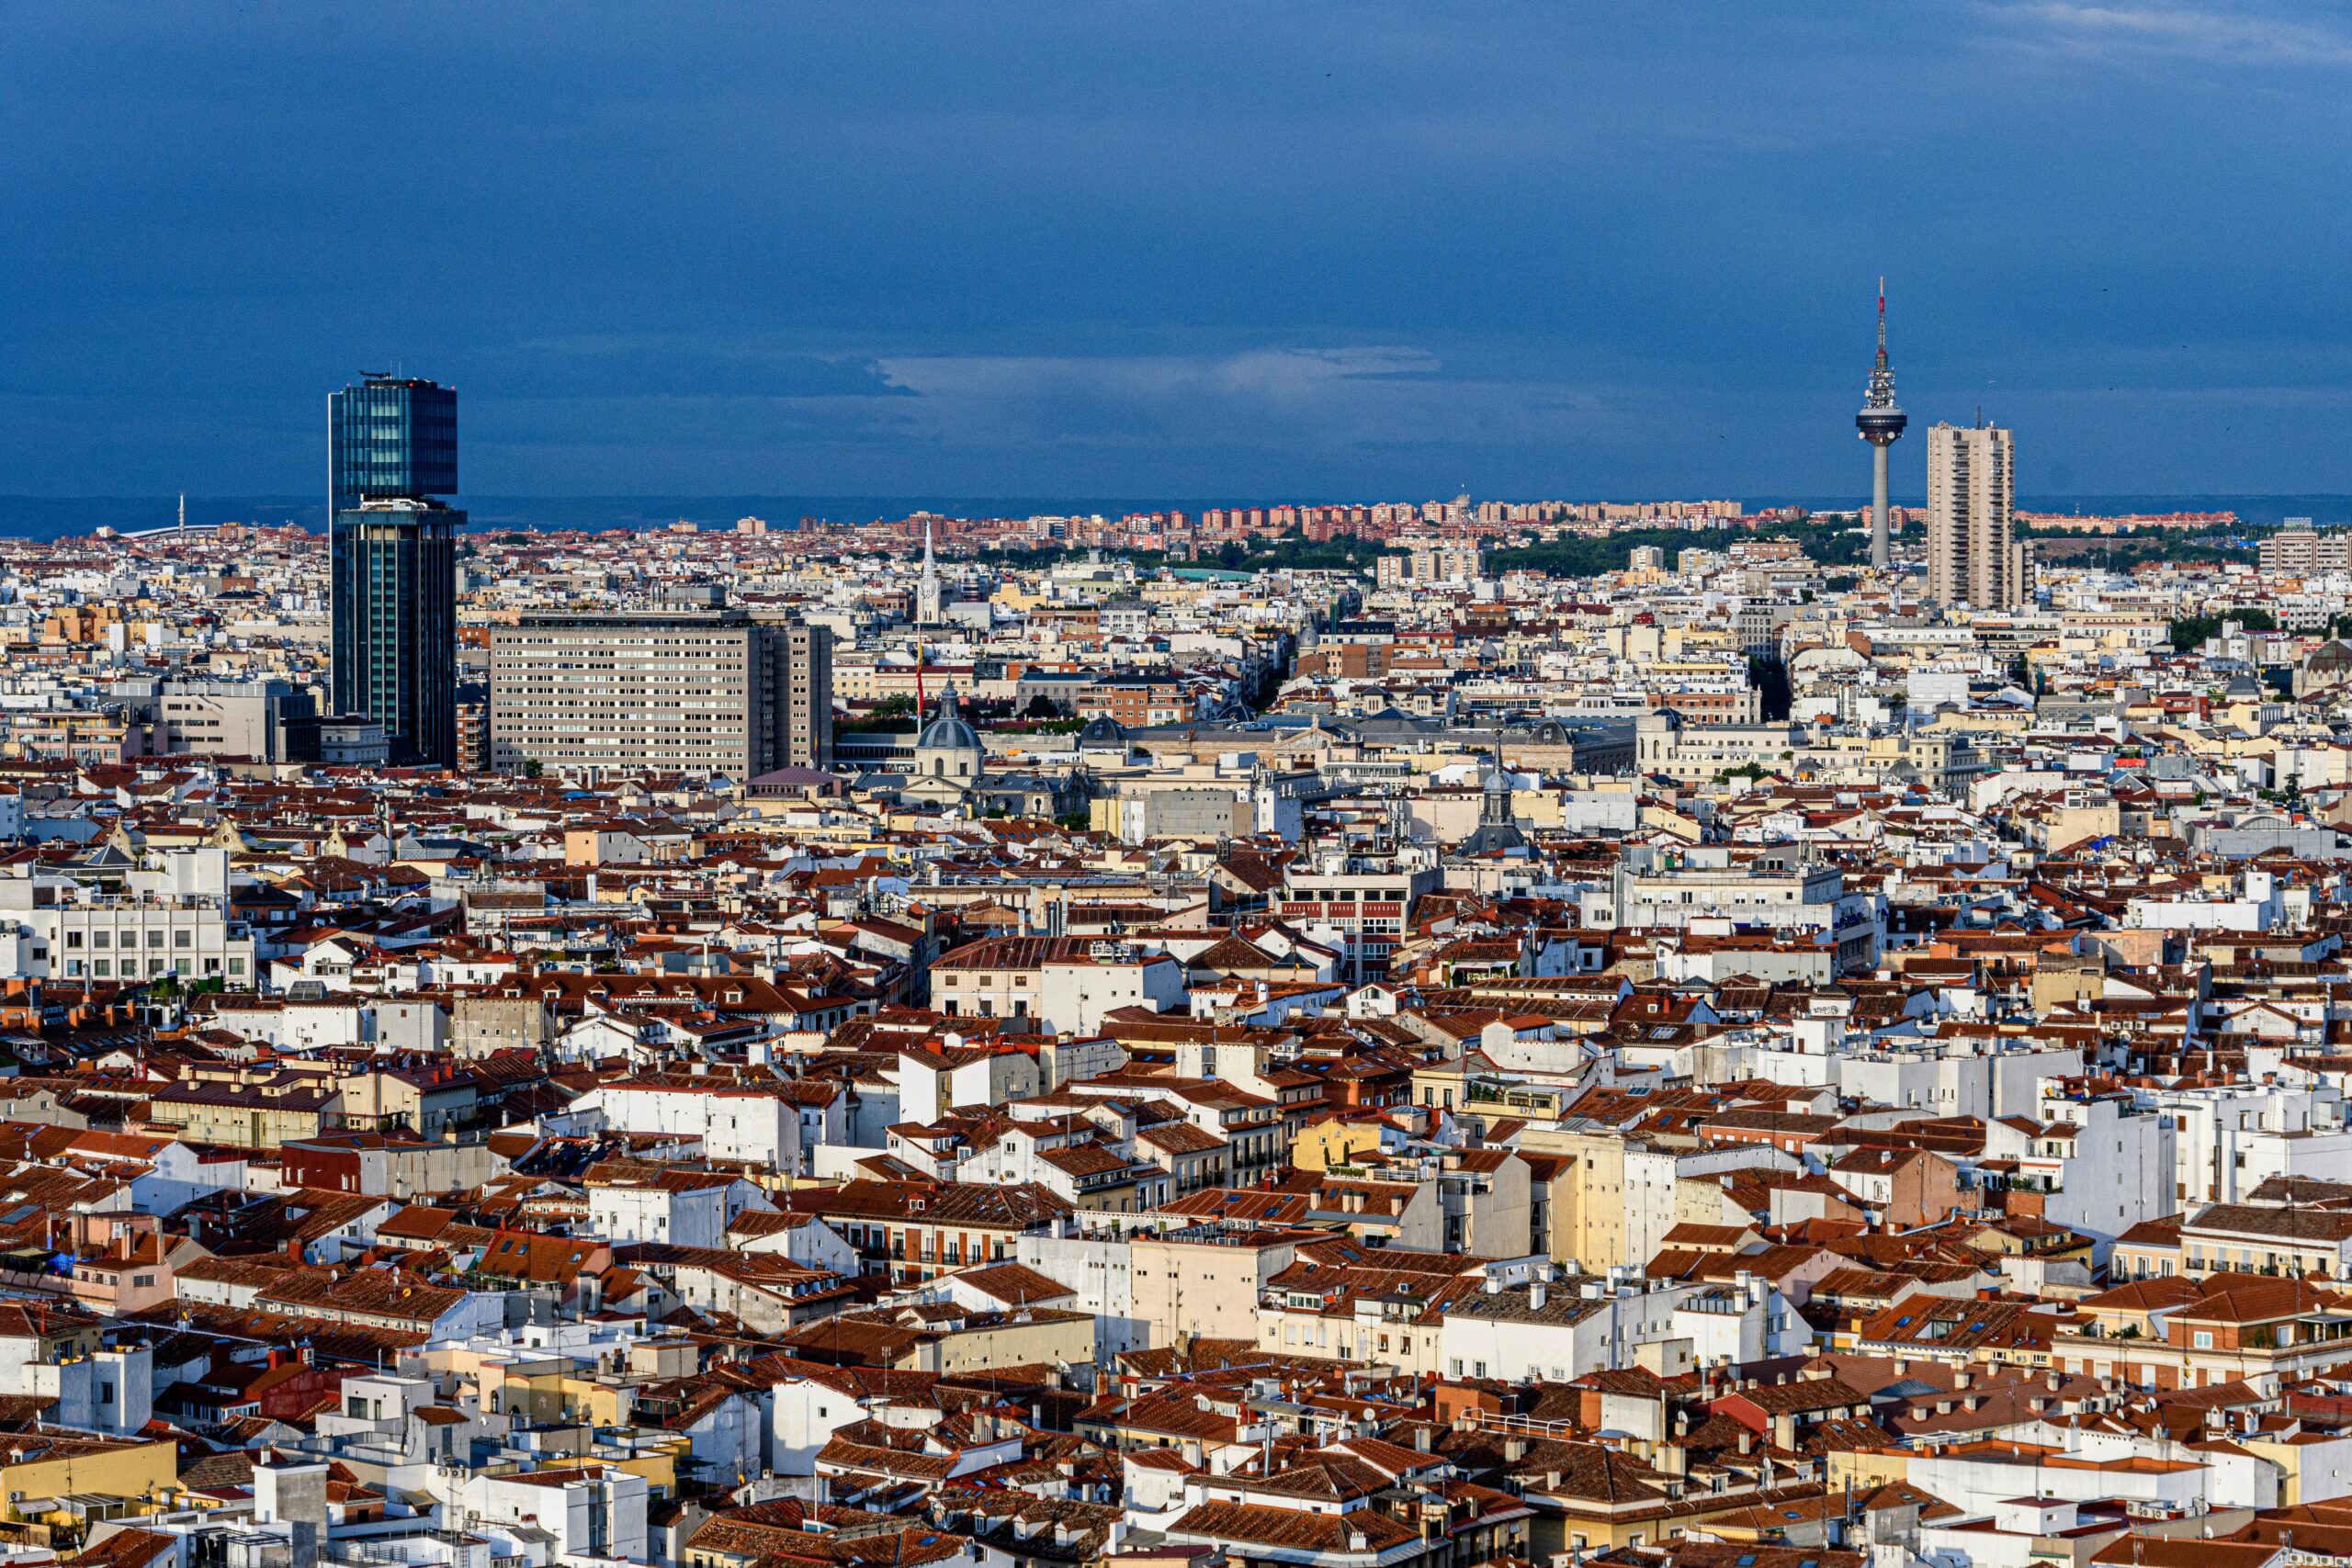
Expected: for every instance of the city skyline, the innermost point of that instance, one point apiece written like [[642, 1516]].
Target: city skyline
[[1076, 253], [1176, 787]]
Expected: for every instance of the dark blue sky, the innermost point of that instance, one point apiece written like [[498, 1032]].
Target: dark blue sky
[[1346, 250]]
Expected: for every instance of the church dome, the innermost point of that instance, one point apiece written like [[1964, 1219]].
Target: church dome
[[947, 732], [1102, 730], [2333, 657]]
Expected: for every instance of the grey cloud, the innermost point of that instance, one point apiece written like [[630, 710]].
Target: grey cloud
[[1319, 400], [664, 366], [2217, 34]]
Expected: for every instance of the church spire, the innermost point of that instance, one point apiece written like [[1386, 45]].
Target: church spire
[[927, 592], [1494, 811], [1497, 831]]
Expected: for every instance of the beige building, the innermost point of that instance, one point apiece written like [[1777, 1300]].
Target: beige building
[[696, 691], [481, 1023], [1031, 1336], [1427, 561], [227, 719], [1974, 557], [804, 689], [256, 1116], [1947, 761], [1586, 1218], [426, 1099], [2301, 551], [1205, 1283]]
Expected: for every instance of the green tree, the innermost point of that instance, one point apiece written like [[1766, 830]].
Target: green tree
[[893, 715], [2189, 632]]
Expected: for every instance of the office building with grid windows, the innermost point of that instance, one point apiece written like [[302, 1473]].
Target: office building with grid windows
[[698, 692], [393, 451]]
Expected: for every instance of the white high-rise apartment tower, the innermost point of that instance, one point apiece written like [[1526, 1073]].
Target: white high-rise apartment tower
[[1974, 557]]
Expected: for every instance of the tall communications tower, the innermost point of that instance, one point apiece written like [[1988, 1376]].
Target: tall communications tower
[[1880, 424]]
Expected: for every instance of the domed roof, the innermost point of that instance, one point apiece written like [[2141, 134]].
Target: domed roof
[[1102, 730], [947, 731], [2329, 656]]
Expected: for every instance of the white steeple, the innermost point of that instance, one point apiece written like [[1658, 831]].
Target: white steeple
[[927, 595]]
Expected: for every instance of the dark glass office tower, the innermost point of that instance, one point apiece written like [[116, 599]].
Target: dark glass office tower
[[392, 448], [389, 438]]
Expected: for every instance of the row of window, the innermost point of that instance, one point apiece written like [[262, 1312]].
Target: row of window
[[104, 937], [136, 1280], [104, 968]]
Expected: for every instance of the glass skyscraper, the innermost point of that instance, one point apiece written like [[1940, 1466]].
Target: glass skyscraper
[[391, 438], [391, 449]]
